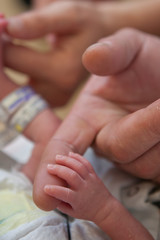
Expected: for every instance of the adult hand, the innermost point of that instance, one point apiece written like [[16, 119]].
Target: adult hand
[[72, 26], [56, 73], [43, 3], [42, 127], [130, 136], [117, 113]]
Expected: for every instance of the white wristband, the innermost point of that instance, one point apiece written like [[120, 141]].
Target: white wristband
[[27, 112], [17, 110], [14, 100]]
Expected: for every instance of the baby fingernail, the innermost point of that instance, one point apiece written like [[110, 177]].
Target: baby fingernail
[[58, 156], [50, 166], [48, 187]]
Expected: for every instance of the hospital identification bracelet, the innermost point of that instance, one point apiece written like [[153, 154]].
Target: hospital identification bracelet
[[27, 113], [17, 110], [12, 102]]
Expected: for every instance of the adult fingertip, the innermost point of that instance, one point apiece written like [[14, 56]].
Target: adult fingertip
[[96, 58]]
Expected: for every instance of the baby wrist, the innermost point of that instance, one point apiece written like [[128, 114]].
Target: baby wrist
[[106, 212], [17, 110]]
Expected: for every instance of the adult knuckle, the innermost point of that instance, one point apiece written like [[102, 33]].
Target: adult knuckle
[[145, 172], [118, 151], [155, 111], [145, 169]]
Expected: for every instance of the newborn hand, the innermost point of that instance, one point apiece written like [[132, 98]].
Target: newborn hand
[[85, 196]]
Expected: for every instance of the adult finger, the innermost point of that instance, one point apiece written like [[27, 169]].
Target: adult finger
[[46, 82], [113, 54], [131, 136], [146, 166], [57, 17], [27, 60]]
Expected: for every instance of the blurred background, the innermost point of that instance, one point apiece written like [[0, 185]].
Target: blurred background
[[12, 8]]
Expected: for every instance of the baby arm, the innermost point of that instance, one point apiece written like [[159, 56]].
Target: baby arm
[[40, 127], [40, 123], [86, 197]]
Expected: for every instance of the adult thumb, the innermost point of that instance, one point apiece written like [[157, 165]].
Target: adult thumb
[[113, 54]]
